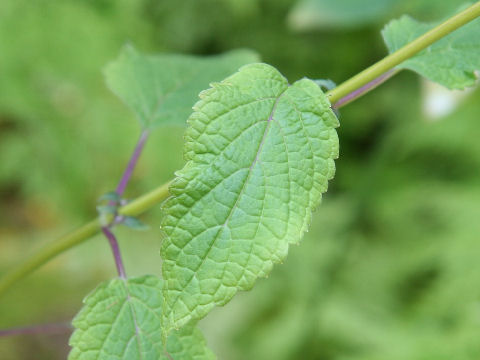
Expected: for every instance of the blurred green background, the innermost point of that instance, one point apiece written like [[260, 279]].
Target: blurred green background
[[390, 268]]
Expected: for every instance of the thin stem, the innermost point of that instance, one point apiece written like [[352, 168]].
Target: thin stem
[[49, 252], [116, 251], [127, 174], [354, 95], [58, 328], [159, 194], [146, 201], [404, 53], [134, 208]]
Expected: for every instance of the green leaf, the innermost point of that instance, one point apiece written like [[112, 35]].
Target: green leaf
[[325, 84], [450, 61], [134, 223], [110, 196], [106, 209], [122, 319], [259, 155], [161, 89]]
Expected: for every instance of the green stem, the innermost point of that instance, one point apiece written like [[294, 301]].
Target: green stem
[[404, 53], [146, 201], [158, 195], [78, 236]]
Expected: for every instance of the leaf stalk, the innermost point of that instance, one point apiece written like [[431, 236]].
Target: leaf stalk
[[404, 53]]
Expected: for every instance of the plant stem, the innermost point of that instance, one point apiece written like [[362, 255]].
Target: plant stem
[[50, 251], [57, 328], [132, 163], [116, 251], [146, 201], [354, 95], [134, 208], [159, 194], [404, 53], [127, 174]]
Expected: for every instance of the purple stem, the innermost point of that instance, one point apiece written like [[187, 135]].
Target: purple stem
[[364, 89], [127, 174], [64, 327], [116, 251], [58, 328]]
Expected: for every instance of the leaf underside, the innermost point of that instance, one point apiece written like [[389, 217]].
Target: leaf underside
[[161, 89], [259, 155], [122, 319], [451, 61]]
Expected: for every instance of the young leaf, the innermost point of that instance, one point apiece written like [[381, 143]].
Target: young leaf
[[259, 155], [450, 61], [134, 223], [110, 196], [122, 319], [161, 89]]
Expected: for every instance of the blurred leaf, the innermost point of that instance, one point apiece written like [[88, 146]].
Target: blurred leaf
[[259, 156], [134, 223], [161, 89], [311, 14], [106, 209], [450, 61], [429, 10], [110, 196], [122, 319]]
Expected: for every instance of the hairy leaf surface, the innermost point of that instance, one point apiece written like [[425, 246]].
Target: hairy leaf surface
[[450, 61], [161, 89], [259, 155], [122, 319]]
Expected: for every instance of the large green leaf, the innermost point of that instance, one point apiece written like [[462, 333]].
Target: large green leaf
[[161, 89], [259, 155], [450, 61], [122, 319]]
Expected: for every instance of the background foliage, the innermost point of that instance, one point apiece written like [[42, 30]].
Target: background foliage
[[389, 269]]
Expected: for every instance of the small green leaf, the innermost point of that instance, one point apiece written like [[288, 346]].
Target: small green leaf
[[134, 223], [259, 155], [122, 319], [161, 89], [106, 209], [325, 84], [110, 196], [106, 214], [451, 61]]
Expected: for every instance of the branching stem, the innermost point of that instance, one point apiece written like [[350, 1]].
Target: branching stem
[[127, 174], [354, 95], [404, 53], [341, 95]]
